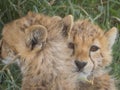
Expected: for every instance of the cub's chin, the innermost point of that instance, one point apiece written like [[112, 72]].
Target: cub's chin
[[84, 77]]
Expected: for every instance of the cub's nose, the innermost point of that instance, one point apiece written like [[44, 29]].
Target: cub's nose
[[80, 64]]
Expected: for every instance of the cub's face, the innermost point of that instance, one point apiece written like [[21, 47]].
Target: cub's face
[[6, 54], [91, 48]]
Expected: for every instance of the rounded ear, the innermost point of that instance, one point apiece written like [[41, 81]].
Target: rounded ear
[[30, 13], [35, 36], [56, 18], [68, 24], [111, 36]]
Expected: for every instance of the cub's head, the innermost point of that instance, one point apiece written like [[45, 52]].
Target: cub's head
[[34, 37], [91, 48], [31, 39]]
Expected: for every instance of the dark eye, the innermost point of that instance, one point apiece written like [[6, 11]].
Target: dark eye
[[94, 48], [71, 45]]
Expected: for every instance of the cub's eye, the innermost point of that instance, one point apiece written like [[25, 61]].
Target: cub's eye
[[71, 45], [94, 48]]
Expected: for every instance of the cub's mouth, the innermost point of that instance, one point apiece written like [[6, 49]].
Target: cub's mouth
[[85, 77], [84, 71]]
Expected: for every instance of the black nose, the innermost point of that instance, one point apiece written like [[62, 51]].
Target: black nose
[[80, 64]]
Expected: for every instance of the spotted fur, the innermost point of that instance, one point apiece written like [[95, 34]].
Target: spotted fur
[[93, 46]]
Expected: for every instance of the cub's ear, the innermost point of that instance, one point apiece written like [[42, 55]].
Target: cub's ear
[[35, 37], [111, 36], [68, 24], [56, 18], [30, 13]]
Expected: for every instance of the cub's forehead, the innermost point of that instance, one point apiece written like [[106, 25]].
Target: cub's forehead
[[86, 29]]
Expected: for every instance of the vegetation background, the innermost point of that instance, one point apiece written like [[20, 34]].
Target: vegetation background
[[105, 13]]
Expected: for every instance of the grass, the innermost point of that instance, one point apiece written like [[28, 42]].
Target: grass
[[106, 13]]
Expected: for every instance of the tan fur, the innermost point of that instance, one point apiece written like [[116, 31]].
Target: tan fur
[[84, 35], [41, 41], [6, 53], [48, 65]]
